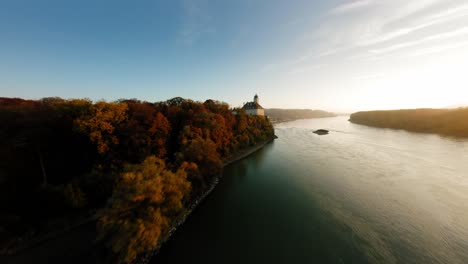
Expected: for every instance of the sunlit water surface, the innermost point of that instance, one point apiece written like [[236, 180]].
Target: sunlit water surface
[[357, 195]]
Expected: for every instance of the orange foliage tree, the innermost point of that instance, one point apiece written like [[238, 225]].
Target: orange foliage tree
[[173, 151], [147, 197], [144, 133], [100, 123]]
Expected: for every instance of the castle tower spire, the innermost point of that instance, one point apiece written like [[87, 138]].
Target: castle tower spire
[[256, 99]]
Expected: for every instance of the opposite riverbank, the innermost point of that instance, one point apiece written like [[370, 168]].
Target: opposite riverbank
[[446, 122]]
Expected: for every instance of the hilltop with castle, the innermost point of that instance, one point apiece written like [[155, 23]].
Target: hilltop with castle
[[254, 108]]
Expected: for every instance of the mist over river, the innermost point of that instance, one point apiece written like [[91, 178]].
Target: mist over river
[[357, 195]]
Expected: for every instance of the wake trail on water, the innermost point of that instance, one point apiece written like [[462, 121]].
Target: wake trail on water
[[342, 131]]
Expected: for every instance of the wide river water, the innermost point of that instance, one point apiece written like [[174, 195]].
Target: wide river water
[[357, 195]]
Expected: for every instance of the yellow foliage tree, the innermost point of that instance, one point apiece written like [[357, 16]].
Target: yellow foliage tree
[[100, 123], [145, 201]]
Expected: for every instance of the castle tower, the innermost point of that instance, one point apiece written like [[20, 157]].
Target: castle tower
[[256, 99]]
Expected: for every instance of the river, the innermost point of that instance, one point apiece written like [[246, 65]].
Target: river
[[357, 195]]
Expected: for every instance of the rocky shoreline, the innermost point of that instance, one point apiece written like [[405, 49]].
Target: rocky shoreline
[[146, 257]]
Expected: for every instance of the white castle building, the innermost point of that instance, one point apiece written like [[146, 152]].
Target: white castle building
[[254, 108]]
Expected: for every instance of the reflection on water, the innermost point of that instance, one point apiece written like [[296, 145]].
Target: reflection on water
[[357, 195]]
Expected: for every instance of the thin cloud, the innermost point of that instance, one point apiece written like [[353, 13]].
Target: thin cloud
[[293, 66], [196, 22], [349, 7], [437, 49], [435, 19], [451, 11], [441, 36], [315, 55], [375, 25], [299, 70], [388, 27]]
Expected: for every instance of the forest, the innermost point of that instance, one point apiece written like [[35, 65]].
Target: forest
[[448, 122], [133, 166]]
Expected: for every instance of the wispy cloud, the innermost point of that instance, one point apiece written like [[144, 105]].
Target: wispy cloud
[[314, 54], [349, 7], [387, 27], [370, 45], [295, 66], [305, 69], [425, 22], [437, 49], [196, 22], [378, 24], [441, 36], [451, 11]]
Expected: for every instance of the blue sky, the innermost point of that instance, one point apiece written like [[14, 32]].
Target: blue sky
[[335, 55]]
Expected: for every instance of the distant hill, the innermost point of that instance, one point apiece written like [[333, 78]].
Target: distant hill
[[281, 115], [449, 122]]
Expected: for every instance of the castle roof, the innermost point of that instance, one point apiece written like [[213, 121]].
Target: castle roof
[[252, 105]]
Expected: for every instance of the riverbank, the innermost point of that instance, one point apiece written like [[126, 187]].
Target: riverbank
[[446, 122], [145, 258], [279, 121], [75, 244], [276, 115], [363, 195], [243, 154]]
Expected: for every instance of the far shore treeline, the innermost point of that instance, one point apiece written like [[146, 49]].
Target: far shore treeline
[[448, 122], [136, 164], [281, 115]]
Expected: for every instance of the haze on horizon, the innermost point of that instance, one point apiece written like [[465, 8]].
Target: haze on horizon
[[333, 55]]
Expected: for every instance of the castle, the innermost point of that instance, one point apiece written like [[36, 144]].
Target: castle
[[254, 108]]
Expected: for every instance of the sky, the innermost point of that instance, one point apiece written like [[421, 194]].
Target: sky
[[334, 55]]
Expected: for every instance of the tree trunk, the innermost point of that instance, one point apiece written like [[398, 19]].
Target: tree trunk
[[44, 175]]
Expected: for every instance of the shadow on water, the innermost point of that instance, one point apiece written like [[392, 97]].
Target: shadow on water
[[240, 169], [257, 215], [361, 195], [201, 237]]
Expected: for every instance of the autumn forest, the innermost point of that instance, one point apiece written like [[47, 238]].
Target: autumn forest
[[130, 166]]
